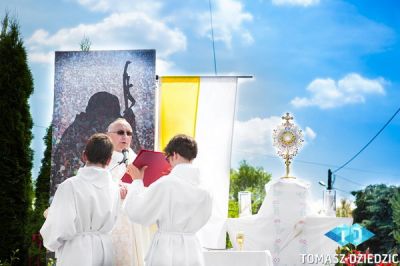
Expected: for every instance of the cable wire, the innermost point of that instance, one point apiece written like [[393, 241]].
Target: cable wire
[[319, 164], [369, 142], [349, 180], [212, 36], [341, 190]]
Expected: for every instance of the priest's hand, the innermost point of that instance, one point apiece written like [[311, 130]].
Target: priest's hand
[[123, 190], [135, 172]]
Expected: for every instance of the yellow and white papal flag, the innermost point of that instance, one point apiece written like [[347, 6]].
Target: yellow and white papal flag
[[204, 108]]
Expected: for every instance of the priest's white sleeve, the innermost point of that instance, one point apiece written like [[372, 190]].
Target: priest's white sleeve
[[144, 205], [60, 223]]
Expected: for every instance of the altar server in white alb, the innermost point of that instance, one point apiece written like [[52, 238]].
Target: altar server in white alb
[[178, 205], [84, 210], [130, 241]]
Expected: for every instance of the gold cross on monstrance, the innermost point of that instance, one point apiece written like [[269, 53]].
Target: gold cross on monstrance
[[287, 117]]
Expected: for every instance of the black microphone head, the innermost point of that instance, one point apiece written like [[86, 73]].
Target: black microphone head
[[125, 158]]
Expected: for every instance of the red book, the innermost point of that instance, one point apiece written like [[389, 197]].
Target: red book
[[157, 166]]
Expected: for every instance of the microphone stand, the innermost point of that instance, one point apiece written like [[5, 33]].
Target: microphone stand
[[124, 160]]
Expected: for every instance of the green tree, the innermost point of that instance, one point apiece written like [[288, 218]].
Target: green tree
[[85, 44], [395, 204], [249, 178], [344, 210], [374, 212], [16, 85], [42, 184], [42, 194], [246, 178]]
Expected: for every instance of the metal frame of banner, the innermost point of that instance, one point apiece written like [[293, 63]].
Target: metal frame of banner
[[208, 76]]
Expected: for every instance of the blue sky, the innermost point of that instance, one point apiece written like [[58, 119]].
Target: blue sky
[[333, 64]]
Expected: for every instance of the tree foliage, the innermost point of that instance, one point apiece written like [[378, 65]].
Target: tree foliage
[[249, 178], [246, 178], [42, 184], [374, 212], [344, 209], [42, 194], [16, 86], [395, 204], [85, 44]]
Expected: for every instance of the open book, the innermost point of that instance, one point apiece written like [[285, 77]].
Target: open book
[[157, 166]]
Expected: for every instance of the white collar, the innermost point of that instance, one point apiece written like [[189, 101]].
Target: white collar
[[187, 172], [95, 175]]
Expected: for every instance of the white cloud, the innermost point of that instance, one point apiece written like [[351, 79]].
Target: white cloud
[[304, 3], [254, 136], [228, 19], [132, 30], [354, 83], [309, 134], [247, 38], [120, 5], [328, 93], [164, 67], [41, 57]]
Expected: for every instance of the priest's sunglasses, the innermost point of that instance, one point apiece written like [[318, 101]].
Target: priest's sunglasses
[[167, 156], [122, 132]]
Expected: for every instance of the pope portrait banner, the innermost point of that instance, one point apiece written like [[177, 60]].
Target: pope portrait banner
[[92, 89]]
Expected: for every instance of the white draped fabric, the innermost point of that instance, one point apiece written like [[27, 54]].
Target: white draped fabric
[[285, 226], [214, 129], [80, 219]]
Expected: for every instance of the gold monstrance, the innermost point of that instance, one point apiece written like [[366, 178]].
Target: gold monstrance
[[288, 139]]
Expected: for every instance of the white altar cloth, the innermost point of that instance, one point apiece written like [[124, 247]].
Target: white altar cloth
[[285, 226], [237, 258]]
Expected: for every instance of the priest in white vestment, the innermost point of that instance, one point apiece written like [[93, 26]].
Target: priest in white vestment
[[84, 210], [178, 205], [131, 241]]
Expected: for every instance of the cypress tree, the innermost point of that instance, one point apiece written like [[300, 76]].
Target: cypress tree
[[16, 85], [42, 194], [42, 187]]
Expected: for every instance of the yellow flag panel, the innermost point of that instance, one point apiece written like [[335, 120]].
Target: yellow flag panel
[[178, 107]]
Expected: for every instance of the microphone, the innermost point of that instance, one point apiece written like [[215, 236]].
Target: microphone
[[125, 158]]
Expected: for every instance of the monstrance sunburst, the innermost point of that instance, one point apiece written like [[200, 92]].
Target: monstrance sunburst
[[288, 139]]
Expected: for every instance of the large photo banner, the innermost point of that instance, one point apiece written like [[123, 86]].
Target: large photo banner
[[91, 90]]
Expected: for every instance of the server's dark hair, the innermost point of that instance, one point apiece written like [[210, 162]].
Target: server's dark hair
[[98, 149], [182, 144]]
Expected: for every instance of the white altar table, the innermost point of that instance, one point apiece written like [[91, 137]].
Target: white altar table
[[237, 258], [285, 226]]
